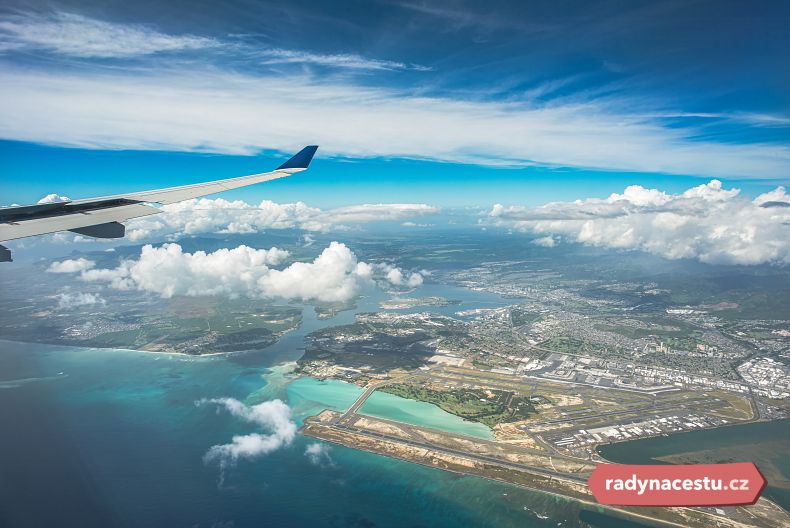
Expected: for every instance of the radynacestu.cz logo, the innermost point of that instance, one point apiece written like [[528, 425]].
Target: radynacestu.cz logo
[[639, 485], [677, 485]]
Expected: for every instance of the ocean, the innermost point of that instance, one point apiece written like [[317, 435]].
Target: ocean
[[98, 437], [104, 438]]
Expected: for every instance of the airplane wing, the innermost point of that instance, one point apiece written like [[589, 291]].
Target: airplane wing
[[101, 217]]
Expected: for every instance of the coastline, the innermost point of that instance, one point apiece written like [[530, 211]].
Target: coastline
[[143, 351], [537, 481]]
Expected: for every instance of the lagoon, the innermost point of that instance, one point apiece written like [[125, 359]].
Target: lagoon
[[309, 396], [391, 407]]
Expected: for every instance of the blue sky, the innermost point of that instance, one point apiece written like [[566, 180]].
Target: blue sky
[[450, 104]]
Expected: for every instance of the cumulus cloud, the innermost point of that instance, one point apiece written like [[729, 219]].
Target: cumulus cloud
[[396, 277], [223, 216], [273, 417], [546, 241], [334, 275], [168, 271], [776, 198], [68, 300], [707, 222], [318, 454], [71, 266], [219, 215], [78, 36], [53, 198]]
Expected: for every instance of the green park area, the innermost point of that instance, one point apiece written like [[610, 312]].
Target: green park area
[[489, 407]]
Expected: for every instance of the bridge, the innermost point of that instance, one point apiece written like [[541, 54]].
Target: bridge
[[370, 389]]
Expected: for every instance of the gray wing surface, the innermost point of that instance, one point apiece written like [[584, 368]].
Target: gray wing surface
[[101, 217]]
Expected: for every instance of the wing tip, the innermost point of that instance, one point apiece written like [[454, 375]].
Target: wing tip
[[300, 160]]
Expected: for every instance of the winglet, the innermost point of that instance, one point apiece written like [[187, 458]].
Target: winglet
[[301, 160]]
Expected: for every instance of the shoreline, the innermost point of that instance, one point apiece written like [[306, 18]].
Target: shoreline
[[678, 433], [162, 352], [317, 427]]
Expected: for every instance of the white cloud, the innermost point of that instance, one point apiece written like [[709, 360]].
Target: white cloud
[[546, 241], [198, 216], [334, 275], [318, 454], [376, 212], [71, 266], [397, 278], [342, 60], [53, 198], [67, 300], [273, 417], [776, 198], [223, 216], [168, 271], [248, 113], [707, 222], [77, 36]]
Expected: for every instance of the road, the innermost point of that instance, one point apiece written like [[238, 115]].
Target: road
[[359, 402], [370, 389]]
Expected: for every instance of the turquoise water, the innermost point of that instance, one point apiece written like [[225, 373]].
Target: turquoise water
[[308, 396], [400, 409]]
